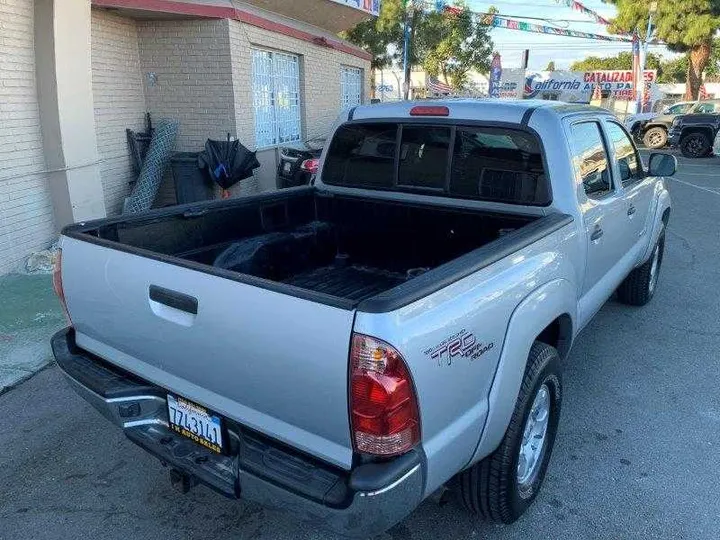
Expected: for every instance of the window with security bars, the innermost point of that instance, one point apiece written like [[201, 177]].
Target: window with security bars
[[276, 97], [350, 86]]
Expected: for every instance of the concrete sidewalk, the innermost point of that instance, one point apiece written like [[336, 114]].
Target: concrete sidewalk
[[29, 314]]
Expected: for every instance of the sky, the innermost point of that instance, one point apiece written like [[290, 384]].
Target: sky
[[545, 48]]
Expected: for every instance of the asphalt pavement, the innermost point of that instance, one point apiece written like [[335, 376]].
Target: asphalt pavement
[[637, 455]]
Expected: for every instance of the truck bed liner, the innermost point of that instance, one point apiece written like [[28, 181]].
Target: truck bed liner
[[352, 282], [337, 250]]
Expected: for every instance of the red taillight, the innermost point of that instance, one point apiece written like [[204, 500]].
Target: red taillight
[[429, 110], [310, 165], [383, 406], [58, 283]]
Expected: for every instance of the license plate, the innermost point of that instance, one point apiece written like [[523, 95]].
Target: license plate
[[195, 422], [287, 167]]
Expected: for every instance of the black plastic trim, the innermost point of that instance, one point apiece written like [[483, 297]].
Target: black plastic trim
[[376, 476], [463, 266], [526, 117], [104, 379], [174, 299]]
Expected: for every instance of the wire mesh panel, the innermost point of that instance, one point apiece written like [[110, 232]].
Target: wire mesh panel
[[276, 96], [350, 86]]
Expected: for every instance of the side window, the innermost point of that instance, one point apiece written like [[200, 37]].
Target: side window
[[590, 159], [705, 108], [680, 108], [625, 154]]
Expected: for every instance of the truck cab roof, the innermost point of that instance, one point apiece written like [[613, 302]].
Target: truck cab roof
[[489, 110]]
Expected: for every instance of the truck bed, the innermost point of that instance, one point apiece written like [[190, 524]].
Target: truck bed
[[347, 248]]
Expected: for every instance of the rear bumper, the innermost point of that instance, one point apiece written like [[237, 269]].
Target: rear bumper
[[365, 501]]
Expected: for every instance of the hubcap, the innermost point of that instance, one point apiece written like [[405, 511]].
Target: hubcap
[[534, 435], [654, 269], [694, 145], [654, 139]]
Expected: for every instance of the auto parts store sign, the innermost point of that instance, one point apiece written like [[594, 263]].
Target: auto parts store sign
[[578, 86], [369, 6]]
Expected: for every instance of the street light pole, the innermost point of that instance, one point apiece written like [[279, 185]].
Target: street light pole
[[643, 58], [406, 55]]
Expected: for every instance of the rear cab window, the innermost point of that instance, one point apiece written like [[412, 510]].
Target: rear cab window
[[490, 163]]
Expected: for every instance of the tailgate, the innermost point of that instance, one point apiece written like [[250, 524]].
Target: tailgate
[[273, 362]]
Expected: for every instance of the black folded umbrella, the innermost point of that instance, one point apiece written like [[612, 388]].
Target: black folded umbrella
[[228, 162]]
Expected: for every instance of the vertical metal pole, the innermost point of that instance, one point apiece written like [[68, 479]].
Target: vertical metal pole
[[406, 46], [643, 59]]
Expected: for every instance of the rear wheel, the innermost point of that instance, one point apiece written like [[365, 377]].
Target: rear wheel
[[503, 485], [695, 145], [655, 137], [639, 287]]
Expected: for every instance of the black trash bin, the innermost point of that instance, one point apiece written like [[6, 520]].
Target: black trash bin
[[192, 184]]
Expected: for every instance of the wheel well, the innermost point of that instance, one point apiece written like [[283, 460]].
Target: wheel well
[[666, 216], [558, 334], [702, 130], [650, 126]]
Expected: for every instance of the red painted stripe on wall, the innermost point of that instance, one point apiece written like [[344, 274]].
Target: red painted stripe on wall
[[219, 12]]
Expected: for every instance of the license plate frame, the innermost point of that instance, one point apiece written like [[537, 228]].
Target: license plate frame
[[196, 423]]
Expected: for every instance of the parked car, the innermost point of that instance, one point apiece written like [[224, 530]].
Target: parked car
[[654, 132], [634, 122], [344, 350], [694, 134], [298, 162]]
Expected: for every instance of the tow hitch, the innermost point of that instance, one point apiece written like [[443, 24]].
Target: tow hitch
[[182, 481]]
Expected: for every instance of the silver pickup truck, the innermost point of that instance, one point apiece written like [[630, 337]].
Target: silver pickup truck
[[343, 351]]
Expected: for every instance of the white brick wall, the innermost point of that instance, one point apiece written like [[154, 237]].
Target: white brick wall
[[320, 78], [26, 213], [119, 100], [193, 81], [191, 60], [319, 85]]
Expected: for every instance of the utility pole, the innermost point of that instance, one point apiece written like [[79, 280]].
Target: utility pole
[[406, 51], [643, 57]]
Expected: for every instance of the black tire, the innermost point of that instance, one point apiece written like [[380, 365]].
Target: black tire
[[637, 134], [639, 287], [655, 137], [695, 145], [490, 488]]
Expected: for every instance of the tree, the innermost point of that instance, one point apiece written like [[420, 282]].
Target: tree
[[452, 43], [621, 61], [550, 66], [447, 43], [684, 26], [675, 70], [377, 35]]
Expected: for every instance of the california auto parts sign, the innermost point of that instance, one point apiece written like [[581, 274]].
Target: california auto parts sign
[[578, 86]]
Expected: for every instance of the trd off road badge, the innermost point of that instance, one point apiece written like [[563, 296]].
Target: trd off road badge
[[463, 344]]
